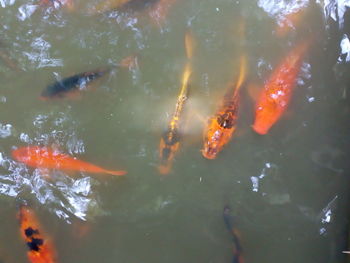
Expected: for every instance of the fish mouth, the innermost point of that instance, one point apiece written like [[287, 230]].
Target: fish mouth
[[209, 153], [259, 129]]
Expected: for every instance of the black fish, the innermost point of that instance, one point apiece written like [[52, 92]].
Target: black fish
[[59, 89], [237, 249]]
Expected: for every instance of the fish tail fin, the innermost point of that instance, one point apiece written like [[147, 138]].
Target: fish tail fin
[[227, 217], [242, 72], [117, 173], [189, 44], [130, 62]]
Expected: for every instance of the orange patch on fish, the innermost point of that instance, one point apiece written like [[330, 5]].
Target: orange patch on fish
[[223, 124], [40, 247], [43, 157], [276, 94]]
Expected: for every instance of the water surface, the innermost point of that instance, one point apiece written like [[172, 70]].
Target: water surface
[[287, 190]]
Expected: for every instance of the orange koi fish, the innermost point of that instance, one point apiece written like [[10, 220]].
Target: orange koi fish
[[276, 94], [290, 22], [42, 157], [237, 248], [40, 247], [170, 141], [223, 124]]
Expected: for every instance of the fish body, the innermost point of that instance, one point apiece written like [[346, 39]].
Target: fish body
[[127, 5], [42, 157], [223, 124], [237, 248], [75, 83], [170, 141], [276, 93], [59, 3], [41, 249]]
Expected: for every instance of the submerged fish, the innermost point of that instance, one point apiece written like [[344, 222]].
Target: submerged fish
[[237, 248], [128, 5], [40, 247], [170, 141], [276, 94], [290, 22], [223, 124], [72, 84], [59, 3], [43, 157]]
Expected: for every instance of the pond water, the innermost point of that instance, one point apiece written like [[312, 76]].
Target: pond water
[[287, 190]]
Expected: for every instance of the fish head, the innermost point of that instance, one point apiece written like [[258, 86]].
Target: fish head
[[31, 155], [215, 137], [22, 154], [267, 112], [212, 140]]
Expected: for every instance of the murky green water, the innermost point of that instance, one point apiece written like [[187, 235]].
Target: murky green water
[[287, 190]]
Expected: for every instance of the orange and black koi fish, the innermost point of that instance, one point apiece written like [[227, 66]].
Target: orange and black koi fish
[[76, 83], [237, 248], [277, 92], [42, 157], [223, 124], [41, 249], [170, 141]]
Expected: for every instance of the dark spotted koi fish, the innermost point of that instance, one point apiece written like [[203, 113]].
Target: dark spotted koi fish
[[223, 124], [71, 85], [76, 83], [237, 248], [41, 250], [170, 141]]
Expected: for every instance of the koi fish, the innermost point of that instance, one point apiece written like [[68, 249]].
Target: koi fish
[[237, 248], [62, 88], [41, 249], [42, 157], [289, 22], [170, 141], [276, 94], [223, 124], [59, 3], [134, 5], [76, 83]]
